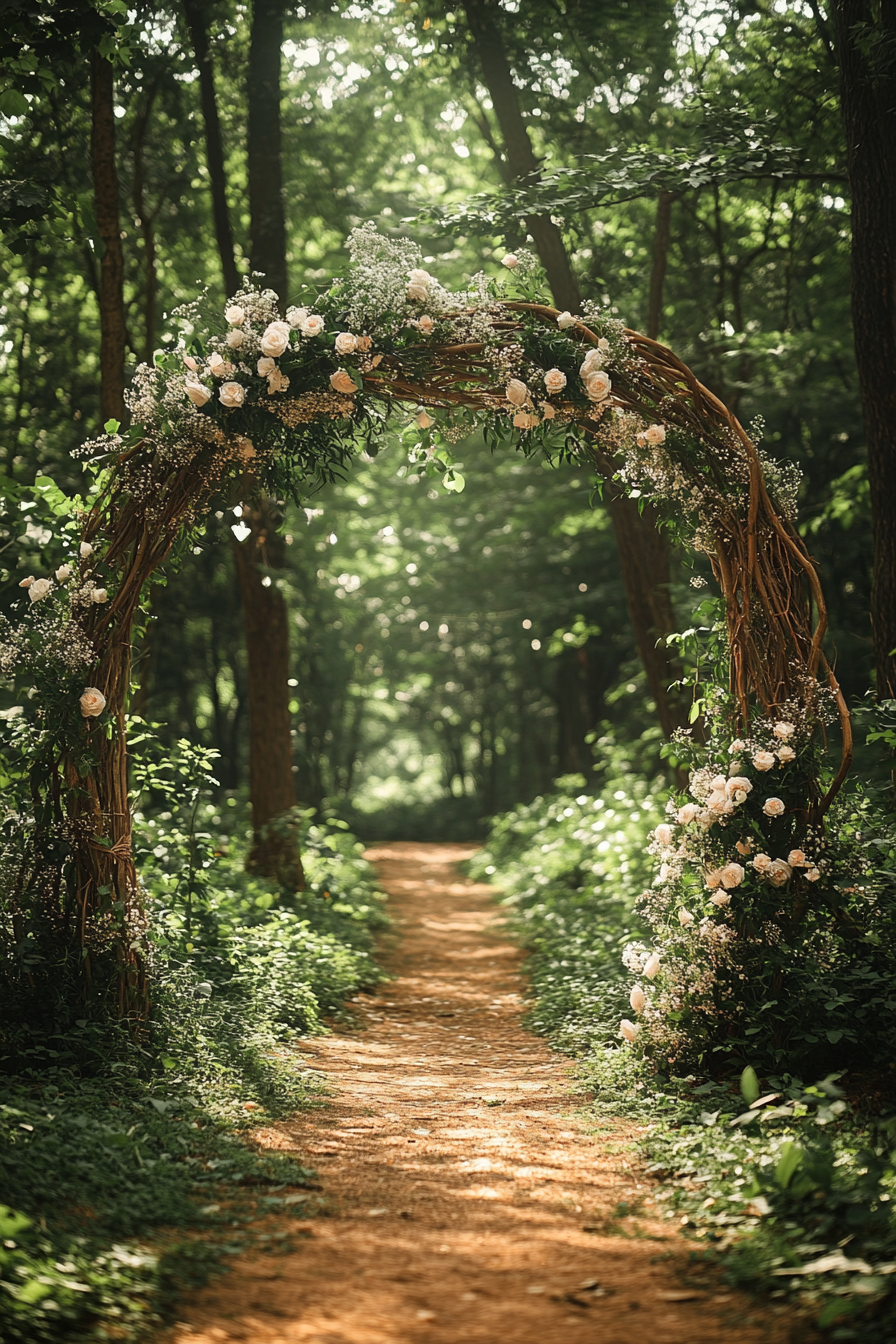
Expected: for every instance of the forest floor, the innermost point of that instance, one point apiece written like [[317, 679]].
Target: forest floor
[[468, 1199]]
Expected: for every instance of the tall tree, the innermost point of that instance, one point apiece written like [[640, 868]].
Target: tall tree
[[264, 146], [865, 45], [113, 334], [643, 551]]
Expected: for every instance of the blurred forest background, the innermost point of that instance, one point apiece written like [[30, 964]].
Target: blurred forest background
[[450, 654]]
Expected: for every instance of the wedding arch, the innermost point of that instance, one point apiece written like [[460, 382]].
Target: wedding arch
[[280, 403]]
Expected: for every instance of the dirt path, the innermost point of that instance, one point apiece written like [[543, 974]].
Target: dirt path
[[469, 1204]]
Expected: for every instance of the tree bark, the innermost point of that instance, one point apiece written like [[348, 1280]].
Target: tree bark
[[643, 552], [864, 48], [265, 168], [197, 23], [113, 332], [274, 850]]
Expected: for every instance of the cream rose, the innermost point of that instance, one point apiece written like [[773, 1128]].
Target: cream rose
[[548, 411], [197, 392], [85, 550], [638, 999], [426, 324], [235, 339], [424, 419], [685, 918], [784, 730], [63, 572], [191, 363], [363, 343], [510, 260], [232, 394], [92, 702], [26, 583], [312, 325], [812, 874], [764, 760], [628, 1030], [655, 435], [525, 420], [99, 595], [554, 381], [737, 747], [762, 863], [720, 898], [418, 276], [516, 392], [597, 386], [417, 293], [797, 859], [779, 873], [593, 361], [737, 784], [39, 589], [235, 315], [345, 343], [687, 814], [296, 316], [652, 965], [266, 366], [342, 381], [773, 807], [218, 365], [786, 754], [275, 338], [732, 875], [663, 834], [277, 382], [565, 320]]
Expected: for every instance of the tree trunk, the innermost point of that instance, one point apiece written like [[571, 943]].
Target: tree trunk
[[274, 850], [661, 232], [214, 146], [105, 187], [643, 553], [265, 168], [868, 104]]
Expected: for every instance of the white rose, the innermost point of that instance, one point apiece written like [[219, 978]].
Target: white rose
[[311, 325], [426, 324], [345, 343], [92, 702], [593, 361], [732, 875], [687, 814], [565, 320], [85, 550], [762, 863], [516, 392], [197, 392], [786, 754], [638, 999], [779, 872], [235, 339], [342, 381], [628, 1030], [554, 381], [652, 965], [663, 834], [784, 730], [737, 784], [39, 589], [265, 366], [764, 760], [424, 419], [773, 807], [275, 339], [685, 918], [597, 386], [232, 394], [234, 315], [63, 573], [418, 293], [99, 595], [655, 435], [720, 898], [296, 316], [511, 260]]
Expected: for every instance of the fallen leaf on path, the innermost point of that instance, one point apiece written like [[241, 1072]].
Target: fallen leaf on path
[[680, 1297]]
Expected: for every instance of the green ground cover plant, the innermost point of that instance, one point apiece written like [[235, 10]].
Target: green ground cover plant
[[786, 1183], [123, 1166]]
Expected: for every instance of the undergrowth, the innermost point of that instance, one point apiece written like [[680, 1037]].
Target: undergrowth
[[125, 1173], [788, 1187]]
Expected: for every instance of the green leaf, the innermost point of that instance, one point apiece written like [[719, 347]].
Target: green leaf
[[112, 426], [749, 1085], [790, 1158], [14, 104]]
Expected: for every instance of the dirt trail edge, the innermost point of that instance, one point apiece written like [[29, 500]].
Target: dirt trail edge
[[468, 1203]]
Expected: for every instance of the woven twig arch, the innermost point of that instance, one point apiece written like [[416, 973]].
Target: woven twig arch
[[775, 607]]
